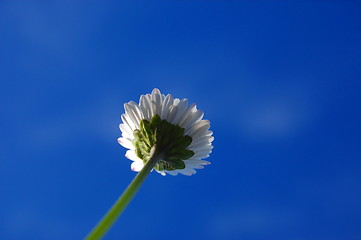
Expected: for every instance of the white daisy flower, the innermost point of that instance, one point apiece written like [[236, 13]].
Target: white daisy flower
[[172, 127]]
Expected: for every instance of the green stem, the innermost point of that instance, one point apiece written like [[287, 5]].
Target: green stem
[[111, 216]]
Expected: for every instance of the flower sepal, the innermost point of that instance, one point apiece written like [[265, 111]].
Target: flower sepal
[[167, 139]]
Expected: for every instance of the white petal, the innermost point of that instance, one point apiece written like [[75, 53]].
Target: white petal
[[129, 122], [206, 137], [187, 115], [176, 101], [187, 171], [201, 155], [173, 110], [168, 101], [161, 172], [137, 166], [157, 102], [182, 106], [173, 173], [137, 108], [195, 166], [163, 96], [131, 113], [126, 143], [145, 107], [135, 111], [202, 150], [197, 161], [204, 141], [196, 117], [126, 131], [150, 105], [130, 154], [199, 129]]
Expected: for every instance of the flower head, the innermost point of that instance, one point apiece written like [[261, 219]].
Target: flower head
[[172, 127]]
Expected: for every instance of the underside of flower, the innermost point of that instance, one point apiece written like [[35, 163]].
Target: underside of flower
[[170, 127], [165, 138]]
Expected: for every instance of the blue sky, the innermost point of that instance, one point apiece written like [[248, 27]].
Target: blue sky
[[279, 81]]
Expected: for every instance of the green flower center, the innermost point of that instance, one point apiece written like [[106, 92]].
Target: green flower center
[[165, 138]]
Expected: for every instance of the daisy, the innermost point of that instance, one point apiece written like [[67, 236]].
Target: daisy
[[161, 133], [169, 127]]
